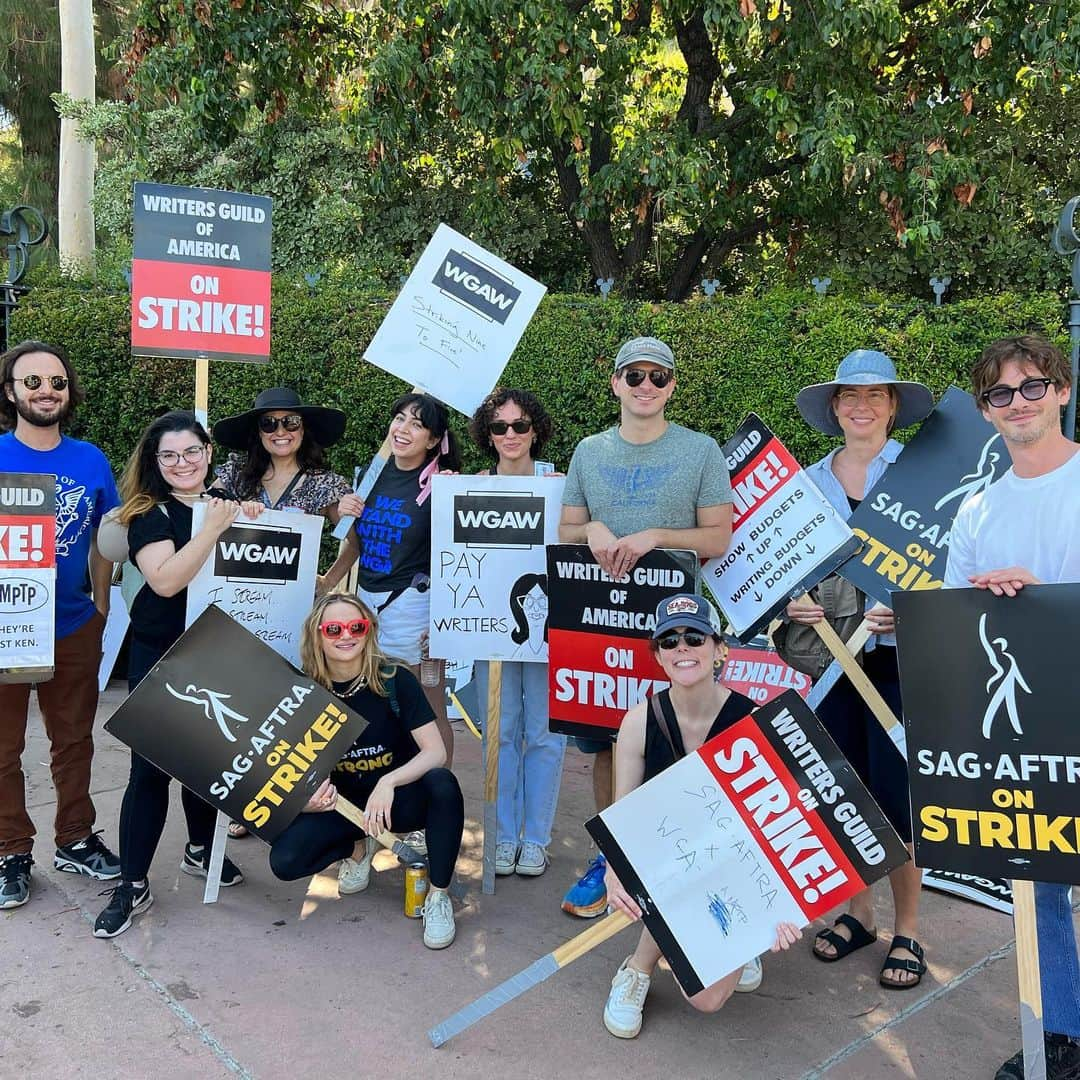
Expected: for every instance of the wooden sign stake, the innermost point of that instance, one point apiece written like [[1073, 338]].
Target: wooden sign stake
[[1027, 969], [491, 773]]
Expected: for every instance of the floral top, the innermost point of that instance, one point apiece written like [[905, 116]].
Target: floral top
[[311, 495]]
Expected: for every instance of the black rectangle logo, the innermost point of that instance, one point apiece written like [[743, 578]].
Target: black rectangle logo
[[499, 520], [476, 286], [247, 554]]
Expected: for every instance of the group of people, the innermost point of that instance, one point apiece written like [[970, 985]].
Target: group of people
[[645, 483]]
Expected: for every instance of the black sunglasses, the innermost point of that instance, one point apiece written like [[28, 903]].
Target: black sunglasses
[[32, 382], [1030, 390], [269, 424], [659, 379], [693, 638], [500, 427]]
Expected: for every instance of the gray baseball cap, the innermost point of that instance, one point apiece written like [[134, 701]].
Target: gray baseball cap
[[645, 348]]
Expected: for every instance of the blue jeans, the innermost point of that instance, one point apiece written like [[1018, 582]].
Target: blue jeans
[[530, 756], [1058, 963]]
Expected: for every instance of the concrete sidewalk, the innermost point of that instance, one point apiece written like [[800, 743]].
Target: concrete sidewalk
[[277, 976]]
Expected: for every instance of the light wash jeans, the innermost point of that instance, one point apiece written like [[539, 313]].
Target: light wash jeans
[[530, 756], [1058, 963]]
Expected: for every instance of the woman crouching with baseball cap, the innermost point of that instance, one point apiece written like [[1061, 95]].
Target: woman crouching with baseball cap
[[653, 736]]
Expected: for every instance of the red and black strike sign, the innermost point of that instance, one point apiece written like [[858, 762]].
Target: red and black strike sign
[[761, 674], [599, 660], [201, 274]]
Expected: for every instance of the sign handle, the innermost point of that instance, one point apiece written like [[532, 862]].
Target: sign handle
[[491, 773], [202, 391], [532, 976], [217, 859], [1027, 969]]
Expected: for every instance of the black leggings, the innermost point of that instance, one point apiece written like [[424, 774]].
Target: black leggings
[[434, 802]]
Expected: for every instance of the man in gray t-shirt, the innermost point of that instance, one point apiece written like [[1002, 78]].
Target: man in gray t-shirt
[[644, 484]]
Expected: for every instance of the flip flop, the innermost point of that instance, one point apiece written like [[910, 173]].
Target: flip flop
[[917, 967], [236, 830], [860, 937]]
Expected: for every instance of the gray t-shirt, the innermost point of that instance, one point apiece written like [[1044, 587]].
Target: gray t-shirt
[[657, 485]]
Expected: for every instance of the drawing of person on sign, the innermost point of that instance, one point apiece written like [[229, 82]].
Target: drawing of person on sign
[[1010, 678], [529, 607]]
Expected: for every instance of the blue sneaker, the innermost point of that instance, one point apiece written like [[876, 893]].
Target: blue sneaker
[[587, 897]]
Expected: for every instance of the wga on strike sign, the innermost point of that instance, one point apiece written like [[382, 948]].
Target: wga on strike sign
[[765, 823], [600, 663], [759, 672]]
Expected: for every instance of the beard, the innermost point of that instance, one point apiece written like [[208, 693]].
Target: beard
[[32, 415], [1034, 431]]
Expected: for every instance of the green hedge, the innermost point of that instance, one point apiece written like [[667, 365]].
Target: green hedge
[[734, 354]]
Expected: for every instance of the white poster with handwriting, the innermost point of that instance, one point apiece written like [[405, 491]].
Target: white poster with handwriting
[[456, 321], [261, 573]]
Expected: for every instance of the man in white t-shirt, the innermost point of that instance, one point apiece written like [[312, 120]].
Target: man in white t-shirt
[[1025, 530]]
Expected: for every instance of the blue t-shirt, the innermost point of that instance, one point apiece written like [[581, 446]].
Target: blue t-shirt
[[85, 492]]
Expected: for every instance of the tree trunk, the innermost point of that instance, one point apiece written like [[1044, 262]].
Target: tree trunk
[[77, 159]]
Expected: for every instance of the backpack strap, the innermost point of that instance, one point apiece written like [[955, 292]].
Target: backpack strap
[[391, 693]]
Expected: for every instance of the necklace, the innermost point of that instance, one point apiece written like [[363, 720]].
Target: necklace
[[357, 684]]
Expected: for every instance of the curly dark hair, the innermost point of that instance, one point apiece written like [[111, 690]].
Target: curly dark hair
[[249, 477], [434, 415], [9, 415], [530, 406], [1030, 349]]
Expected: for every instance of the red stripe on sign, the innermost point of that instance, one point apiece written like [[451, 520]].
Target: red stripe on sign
[[761, 674], [594, 678], [27, 543], [209, 309], [761, 477], [796, 841]]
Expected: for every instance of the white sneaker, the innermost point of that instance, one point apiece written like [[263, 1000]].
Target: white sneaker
[[417, 841], [750, 979], [438, 916], [622, 1013], [353, 874], [532, 861], [505, 857]]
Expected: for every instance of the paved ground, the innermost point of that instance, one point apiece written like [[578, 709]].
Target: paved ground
[[278, 976]]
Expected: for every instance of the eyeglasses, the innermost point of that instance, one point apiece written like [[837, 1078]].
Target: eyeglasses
[[1030, 390], [877, 398], [658, 377], [334, 628], [532, 603], [32, 382], [500, 427], [269, 424], [191, 455], [693, 638]]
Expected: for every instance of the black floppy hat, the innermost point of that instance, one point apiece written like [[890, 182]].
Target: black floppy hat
[[325, 426]]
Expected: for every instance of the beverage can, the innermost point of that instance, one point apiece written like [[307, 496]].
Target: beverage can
[[416, 887]]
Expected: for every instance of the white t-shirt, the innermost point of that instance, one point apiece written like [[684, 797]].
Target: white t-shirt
[[1033, 523]]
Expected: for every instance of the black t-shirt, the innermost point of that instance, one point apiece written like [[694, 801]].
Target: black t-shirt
[[159, 620], [386, 743], [658, 755], [394, 533]]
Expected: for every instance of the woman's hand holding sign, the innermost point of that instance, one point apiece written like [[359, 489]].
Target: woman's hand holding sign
[[618, 897], [325, 798]]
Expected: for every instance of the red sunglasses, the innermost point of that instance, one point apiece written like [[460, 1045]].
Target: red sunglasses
[[334, 628]]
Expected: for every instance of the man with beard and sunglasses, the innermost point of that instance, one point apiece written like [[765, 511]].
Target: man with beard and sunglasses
[[646, 483], [40, 393]]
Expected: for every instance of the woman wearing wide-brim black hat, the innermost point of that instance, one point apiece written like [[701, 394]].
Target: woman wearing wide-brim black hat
[[281, 462]]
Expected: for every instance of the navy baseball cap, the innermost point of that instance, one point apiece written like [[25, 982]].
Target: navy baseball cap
[[685, 609]]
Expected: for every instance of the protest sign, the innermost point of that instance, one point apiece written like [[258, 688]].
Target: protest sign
[[906, 517], [200, 276], [227, 717], [600, 663], [489, 565], [994, 761], [785, 537], [456, 321], [261, 574], [28, 530], [993, 893], [765, 823], [759, 672]]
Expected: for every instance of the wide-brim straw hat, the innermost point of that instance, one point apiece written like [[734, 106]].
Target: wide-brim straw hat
[[325, 426], [864, 367]]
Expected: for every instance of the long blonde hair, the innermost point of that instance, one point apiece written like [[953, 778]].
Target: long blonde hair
[[374, 664]]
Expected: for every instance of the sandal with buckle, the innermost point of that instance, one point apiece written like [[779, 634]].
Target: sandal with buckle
[[916, 967], [860, 938]]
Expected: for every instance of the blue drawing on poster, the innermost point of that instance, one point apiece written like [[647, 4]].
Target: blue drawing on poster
[[718, 909]]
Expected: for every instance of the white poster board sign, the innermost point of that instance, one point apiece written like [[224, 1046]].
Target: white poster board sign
[[785, 537], [112, 640], [262, 574], [489, 567], [456, 321]]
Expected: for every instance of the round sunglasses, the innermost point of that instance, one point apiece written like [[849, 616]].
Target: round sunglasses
[[269, 424], [33, 382], [1030, 390], [659, 379], [693, 638], [334, 628], [500, 427]]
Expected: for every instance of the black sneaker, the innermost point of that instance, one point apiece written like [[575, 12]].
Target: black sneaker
[[1062, 1060], [127, 901], [196, 861], [90, 857], [15, 880]]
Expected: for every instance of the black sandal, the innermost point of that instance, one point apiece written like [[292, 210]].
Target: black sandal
[[860, 937], [894, 963]]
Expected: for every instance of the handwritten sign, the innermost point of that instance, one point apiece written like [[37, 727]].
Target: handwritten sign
[[262, 575], [456, 321], [786, 536], [489, 566], [765, 823]]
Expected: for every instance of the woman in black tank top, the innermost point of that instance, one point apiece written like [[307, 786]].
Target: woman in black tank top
[[653, 735]]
